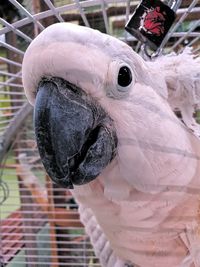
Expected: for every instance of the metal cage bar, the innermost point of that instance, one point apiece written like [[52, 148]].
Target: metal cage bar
[[79, 7], [16, 31], [105, 17], [53, 9], [16, 131], [187, 34], [20, 7]]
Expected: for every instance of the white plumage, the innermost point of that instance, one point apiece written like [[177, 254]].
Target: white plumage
[[182, 75], [145, 204]]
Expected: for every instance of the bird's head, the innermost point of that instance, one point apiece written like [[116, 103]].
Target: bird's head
[[96, 101]]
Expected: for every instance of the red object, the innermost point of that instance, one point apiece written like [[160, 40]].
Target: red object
[[153, 21]]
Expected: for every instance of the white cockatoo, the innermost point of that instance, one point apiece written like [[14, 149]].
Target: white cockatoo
[[106, 129]]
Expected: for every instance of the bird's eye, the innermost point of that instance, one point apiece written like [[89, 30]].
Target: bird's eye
[[124, 76], [120, 79]]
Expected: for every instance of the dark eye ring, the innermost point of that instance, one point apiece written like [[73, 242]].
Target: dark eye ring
[[124, 76]]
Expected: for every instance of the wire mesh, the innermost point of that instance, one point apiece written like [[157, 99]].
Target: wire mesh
[[39, 222]]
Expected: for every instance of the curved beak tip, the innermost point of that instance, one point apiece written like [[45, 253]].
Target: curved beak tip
[[75, 144]]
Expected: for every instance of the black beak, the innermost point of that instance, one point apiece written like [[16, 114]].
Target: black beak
[[75, 137]]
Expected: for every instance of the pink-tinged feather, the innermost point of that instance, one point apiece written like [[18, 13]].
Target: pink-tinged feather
[[144, 207]]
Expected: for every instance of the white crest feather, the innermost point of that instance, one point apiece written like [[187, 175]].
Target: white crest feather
[[182, 75]]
